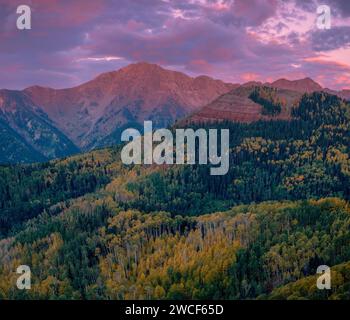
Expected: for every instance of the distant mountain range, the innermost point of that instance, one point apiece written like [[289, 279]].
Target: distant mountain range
[[41, 123]]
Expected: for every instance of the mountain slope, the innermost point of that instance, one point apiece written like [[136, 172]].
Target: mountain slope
[[239, 105], [30, 128], [14, 149], [96, 110]]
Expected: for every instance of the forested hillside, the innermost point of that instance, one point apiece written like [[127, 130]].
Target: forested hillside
[[300, 159], [95, 250], [25, 191], [92, 228]]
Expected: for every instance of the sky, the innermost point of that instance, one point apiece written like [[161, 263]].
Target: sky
[[73, 41]]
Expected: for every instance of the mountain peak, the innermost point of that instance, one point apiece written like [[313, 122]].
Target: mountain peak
[[302, 85], [143, 65], [138, 74], [130, 95]]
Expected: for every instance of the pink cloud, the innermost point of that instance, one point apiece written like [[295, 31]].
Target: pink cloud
[[249, 76]]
